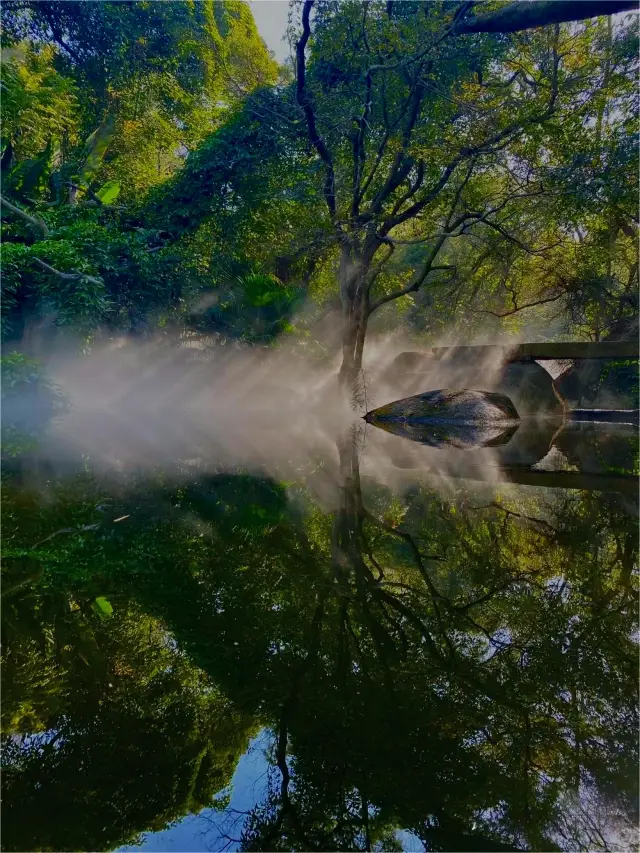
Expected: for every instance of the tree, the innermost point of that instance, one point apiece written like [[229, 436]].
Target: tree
[[406, 117]]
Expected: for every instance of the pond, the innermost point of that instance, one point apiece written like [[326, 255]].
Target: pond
[[374, 642]]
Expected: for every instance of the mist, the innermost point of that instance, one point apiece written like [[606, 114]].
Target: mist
[[277, 411]]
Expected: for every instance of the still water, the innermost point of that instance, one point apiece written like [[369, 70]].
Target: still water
[[393, 644]]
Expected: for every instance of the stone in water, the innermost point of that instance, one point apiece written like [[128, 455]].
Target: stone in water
[[446, 406]]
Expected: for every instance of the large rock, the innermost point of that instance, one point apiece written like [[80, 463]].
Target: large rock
[[445, 404], [531, 390], [450, 407], [444, 418]]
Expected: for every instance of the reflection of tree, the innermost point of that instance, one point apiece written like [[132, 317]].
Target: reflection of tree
[[464, 672], [112, 730], [461, 713]]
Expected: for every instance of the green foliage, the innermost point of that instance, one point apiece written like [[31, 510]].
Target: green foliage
[[163, 114], [94, 150], [39, 103], [151, 80], [29, 401], [78, 299], [18, 373], [153, 737], [102, 606], [109, 192]]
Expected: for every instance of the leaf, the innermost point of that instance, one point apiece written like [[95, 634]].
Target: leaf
[[95, 149], [102, 606], [109, 192]]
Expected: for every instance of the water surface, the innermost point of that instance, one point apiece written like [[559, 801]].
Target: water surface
[[368, 643]]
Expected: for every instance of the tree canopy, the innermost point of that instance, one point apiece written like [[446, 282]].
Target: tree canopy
[[424, 153]]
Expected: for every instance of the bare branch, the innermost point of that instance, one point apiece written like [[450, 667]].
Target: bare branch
[[402, 164], [375, 272], [376, 164], [497, 227], [458, 193], [414, 285], [489, 146], [414, 186], [358, 145], [415, 208], [304, 100]]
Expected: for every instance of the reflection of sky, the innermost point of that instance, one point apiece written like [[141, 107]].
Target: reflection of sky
[[410, 842], [207, 830], [213, 830]]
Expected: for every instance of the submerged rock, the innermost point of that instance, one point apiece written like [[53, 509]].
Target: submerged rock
[[451, 407]]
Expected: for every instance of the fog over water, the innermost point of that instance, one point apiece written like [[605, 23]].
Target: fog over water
[[137, 406]]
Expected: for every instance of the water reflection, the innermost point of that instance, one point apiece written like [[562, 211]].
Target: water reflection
[[457, 662]]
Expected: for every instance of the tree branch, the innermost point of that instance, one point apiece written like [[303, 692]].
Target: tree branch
[[524, 14], [517, 308], [414, 186], [358, 146], [375, 272], [417, 206], [57, 37], [304, 100], [490, 145], [66, 276], [497, 227], [402, 164], [34, 221], [417, 282]]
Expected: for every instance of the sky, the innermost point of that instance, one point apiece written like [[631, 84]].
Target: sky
[[271, 19]]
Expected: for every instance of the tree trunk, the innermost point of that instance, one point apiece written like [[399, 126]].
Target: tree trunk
[[355, 313], [353, 338]]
